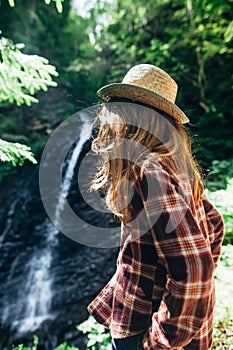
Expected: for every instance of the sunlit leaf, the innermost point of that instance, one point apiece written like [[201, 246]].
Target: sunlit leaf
[[11, 3], [23, 75], [15, 153], [59, 6]]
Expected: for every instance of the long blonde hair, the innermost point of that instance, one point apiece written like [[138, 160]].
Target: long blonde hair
[[126, 131]]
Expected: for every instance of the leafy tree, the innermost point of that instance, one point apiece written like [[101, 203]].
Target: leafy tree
[[15, 153], [63, 39], [192, 41], [21, 76], [58, 4]]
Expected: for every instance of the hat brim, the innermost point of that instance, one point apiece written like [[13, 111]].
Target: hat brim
[[137, 93]]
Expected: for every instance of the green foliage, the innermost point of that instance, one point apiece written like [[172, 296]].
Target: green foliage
[[220, 173], [58, 4], [21, 75], [226, 256], [98, 335], [15, 153], [6, 169], [224, 202], [64, 40], [98, 338], [192, 41], [22, 347], [65, 346], [228, 220]]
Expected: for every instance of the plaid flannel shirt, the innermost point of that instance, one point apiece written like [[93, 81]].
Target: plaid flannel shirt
[[164, 281]]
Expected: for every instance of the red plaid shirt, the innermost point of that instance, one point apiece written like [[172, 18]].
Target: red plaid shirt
[[164, 278]]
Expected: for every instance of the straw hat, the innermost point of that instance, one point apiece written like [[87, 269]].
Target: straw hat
[[150, 85]]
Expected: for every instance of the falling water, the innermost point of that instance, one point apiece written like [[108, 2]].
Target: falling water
[[84, 136], [35, 309], [8, 222], [38, 295]]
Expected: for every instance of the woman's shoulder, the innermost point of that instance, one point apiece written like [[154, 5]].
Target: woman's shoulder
[[150, 161], [156, 165]]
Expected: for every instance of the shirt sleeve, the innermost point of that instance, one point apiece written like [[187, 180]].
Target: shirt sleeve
[[183, 247], [215, 228], [101, 307]]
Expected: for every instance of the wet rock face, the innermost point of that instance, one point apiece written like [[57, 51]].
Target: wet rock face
[[52, 280]]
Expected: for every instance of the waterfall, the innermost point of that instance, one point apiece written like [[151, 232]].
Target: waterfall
[[8, 222], [35, 300], [65, 186], [35, 309]]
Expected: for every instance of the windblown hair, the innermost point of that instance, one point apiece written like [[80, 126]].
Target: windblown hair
[[127, 131]]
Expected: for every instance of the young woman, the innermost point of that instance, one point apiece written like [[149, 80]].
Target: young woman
[[162, 293]]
